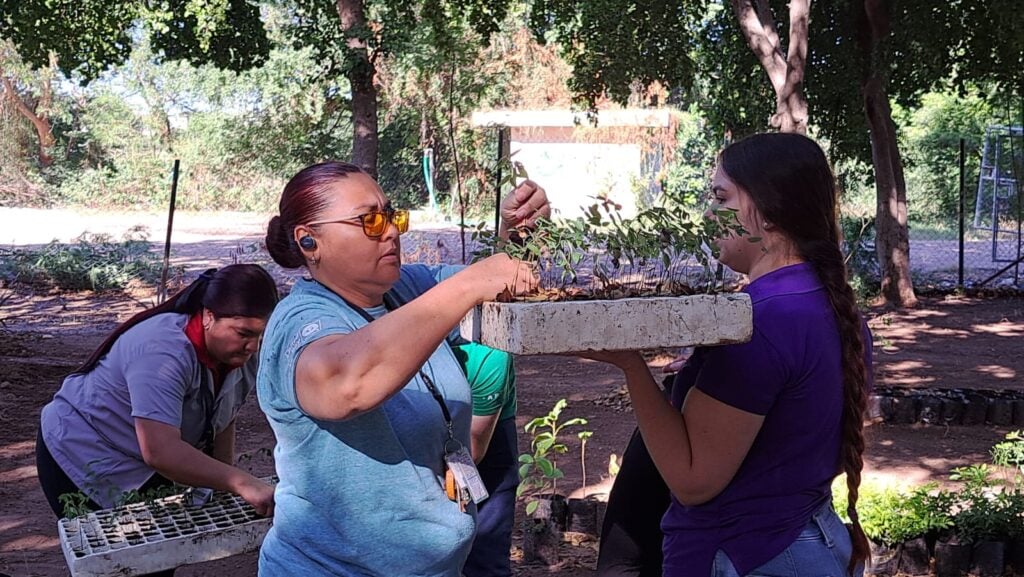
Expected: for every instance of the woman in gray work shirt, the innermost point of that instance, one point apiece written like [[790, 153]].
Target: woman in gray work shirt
[[156, 403]]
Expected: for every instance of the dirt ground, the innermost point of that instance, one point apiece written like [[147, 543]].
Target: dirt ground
[[950, 342]]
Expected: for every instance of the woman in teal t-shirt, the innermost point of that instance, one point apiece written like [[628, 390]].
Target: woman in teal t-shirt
[[366, 399]]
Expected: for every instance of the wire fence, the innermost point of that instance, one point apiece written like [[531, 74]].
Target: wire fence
[[981, 245]]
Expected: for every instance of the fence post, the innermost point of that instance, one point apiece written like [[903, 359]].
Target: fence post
[[503, 153], [960, 265], [162, 295]]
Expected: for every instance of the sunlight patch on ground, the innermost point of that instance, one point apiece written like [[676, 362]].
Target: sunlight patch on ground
[[1003, 328], [19, 449], [905, 379], [924, 313], [998, 371], [903, 372], [947, 332], [910, 333], [898, 478], [18, 474], [906, 366], [31, 543]]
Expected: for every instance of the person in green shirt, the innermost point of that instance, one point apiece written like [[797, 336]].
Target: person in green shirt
[[494, 446]]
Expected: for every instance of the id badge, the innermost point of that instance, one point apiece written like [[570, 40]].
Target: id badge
[[468, 486]]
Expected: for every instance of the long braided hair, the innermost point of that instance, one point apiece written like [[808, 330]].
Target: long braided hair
[[792, 186]]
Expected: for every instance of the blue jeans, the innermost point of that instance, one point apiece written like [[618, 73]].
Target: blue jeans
[[822, 549]]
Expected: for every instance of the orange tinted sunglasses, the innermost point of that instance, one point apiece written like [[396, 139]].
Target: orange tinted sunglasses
[[375, 222]]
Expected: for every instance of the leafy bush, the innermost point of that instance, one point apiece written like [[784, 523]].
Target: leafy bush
[[859, 251], [984, 513], [931, 137], [890, 515], [538, 470], [1010, 453], [94, 262]]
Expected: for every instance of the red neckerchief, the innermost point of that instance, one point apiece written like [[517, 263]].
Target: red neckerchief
[[194, 332]]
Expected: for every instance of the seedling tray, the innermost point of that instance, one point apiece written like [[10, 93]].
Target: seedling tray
[[162, 534], [536, 328]]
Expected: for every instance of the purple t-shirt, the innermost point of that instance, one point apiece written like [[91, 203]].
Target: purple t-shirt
[[791, 373]]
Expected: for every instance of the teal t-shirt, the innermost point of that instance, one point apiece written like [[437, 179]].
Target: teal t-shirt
[[363, 496]]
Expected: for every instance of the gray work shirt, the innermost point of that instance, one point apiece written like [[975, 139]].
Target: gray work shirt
[[151, 372]]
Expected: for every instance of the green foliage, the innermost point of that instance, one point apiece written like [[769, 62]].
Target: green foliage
[[931, 138], [992, 41], [659, 245], [978, 510], [984, 513], [90, 36], [687, 175], [94, 262], [891, 516], [926, 42], [860, 255], [538, 470], [149, 495], [613, 45], [74, 504], [1010, 453], [733, 93], [77, 504], [225, 33]]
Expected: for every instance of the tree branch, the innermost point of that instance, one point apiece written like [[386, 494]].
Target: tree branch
[[758, 28], [799, 13], [40, 123]]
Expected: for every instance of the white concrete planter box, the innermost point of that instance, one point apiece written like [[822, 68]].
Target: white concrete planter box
[[537, 328], [145, 538]]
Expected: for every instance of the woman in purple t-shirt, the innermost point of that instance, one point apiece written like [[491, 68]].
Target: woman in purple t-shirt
[[757, 431]]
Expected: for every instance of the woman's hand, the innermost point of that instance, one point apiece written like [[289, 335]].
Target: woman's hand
[[677, 363], [258, 494], [621, 359], [499, 273], [523, 206], [164, 451]]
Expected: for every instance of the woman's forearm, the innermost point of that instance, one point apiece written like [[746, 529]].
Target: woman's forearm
[[342, 376], [224, 445], [186, 465], [663, 429]]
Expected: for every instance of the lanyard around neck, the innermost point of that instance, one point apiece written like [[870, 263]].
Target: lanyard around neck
[[391, 304]]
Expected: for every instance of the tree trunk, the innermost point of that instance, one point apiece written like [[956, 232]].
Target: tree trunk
[[785, 69], [37, 117], [892, 241], [361, 75]]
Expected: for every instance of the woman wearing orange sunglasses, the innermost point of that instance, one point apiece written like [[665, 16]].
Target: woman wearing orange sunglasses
[[370, 408]]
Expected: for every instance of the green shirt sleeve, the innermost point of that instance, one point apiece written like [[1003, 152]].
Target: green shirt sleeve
[[490, 375]]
